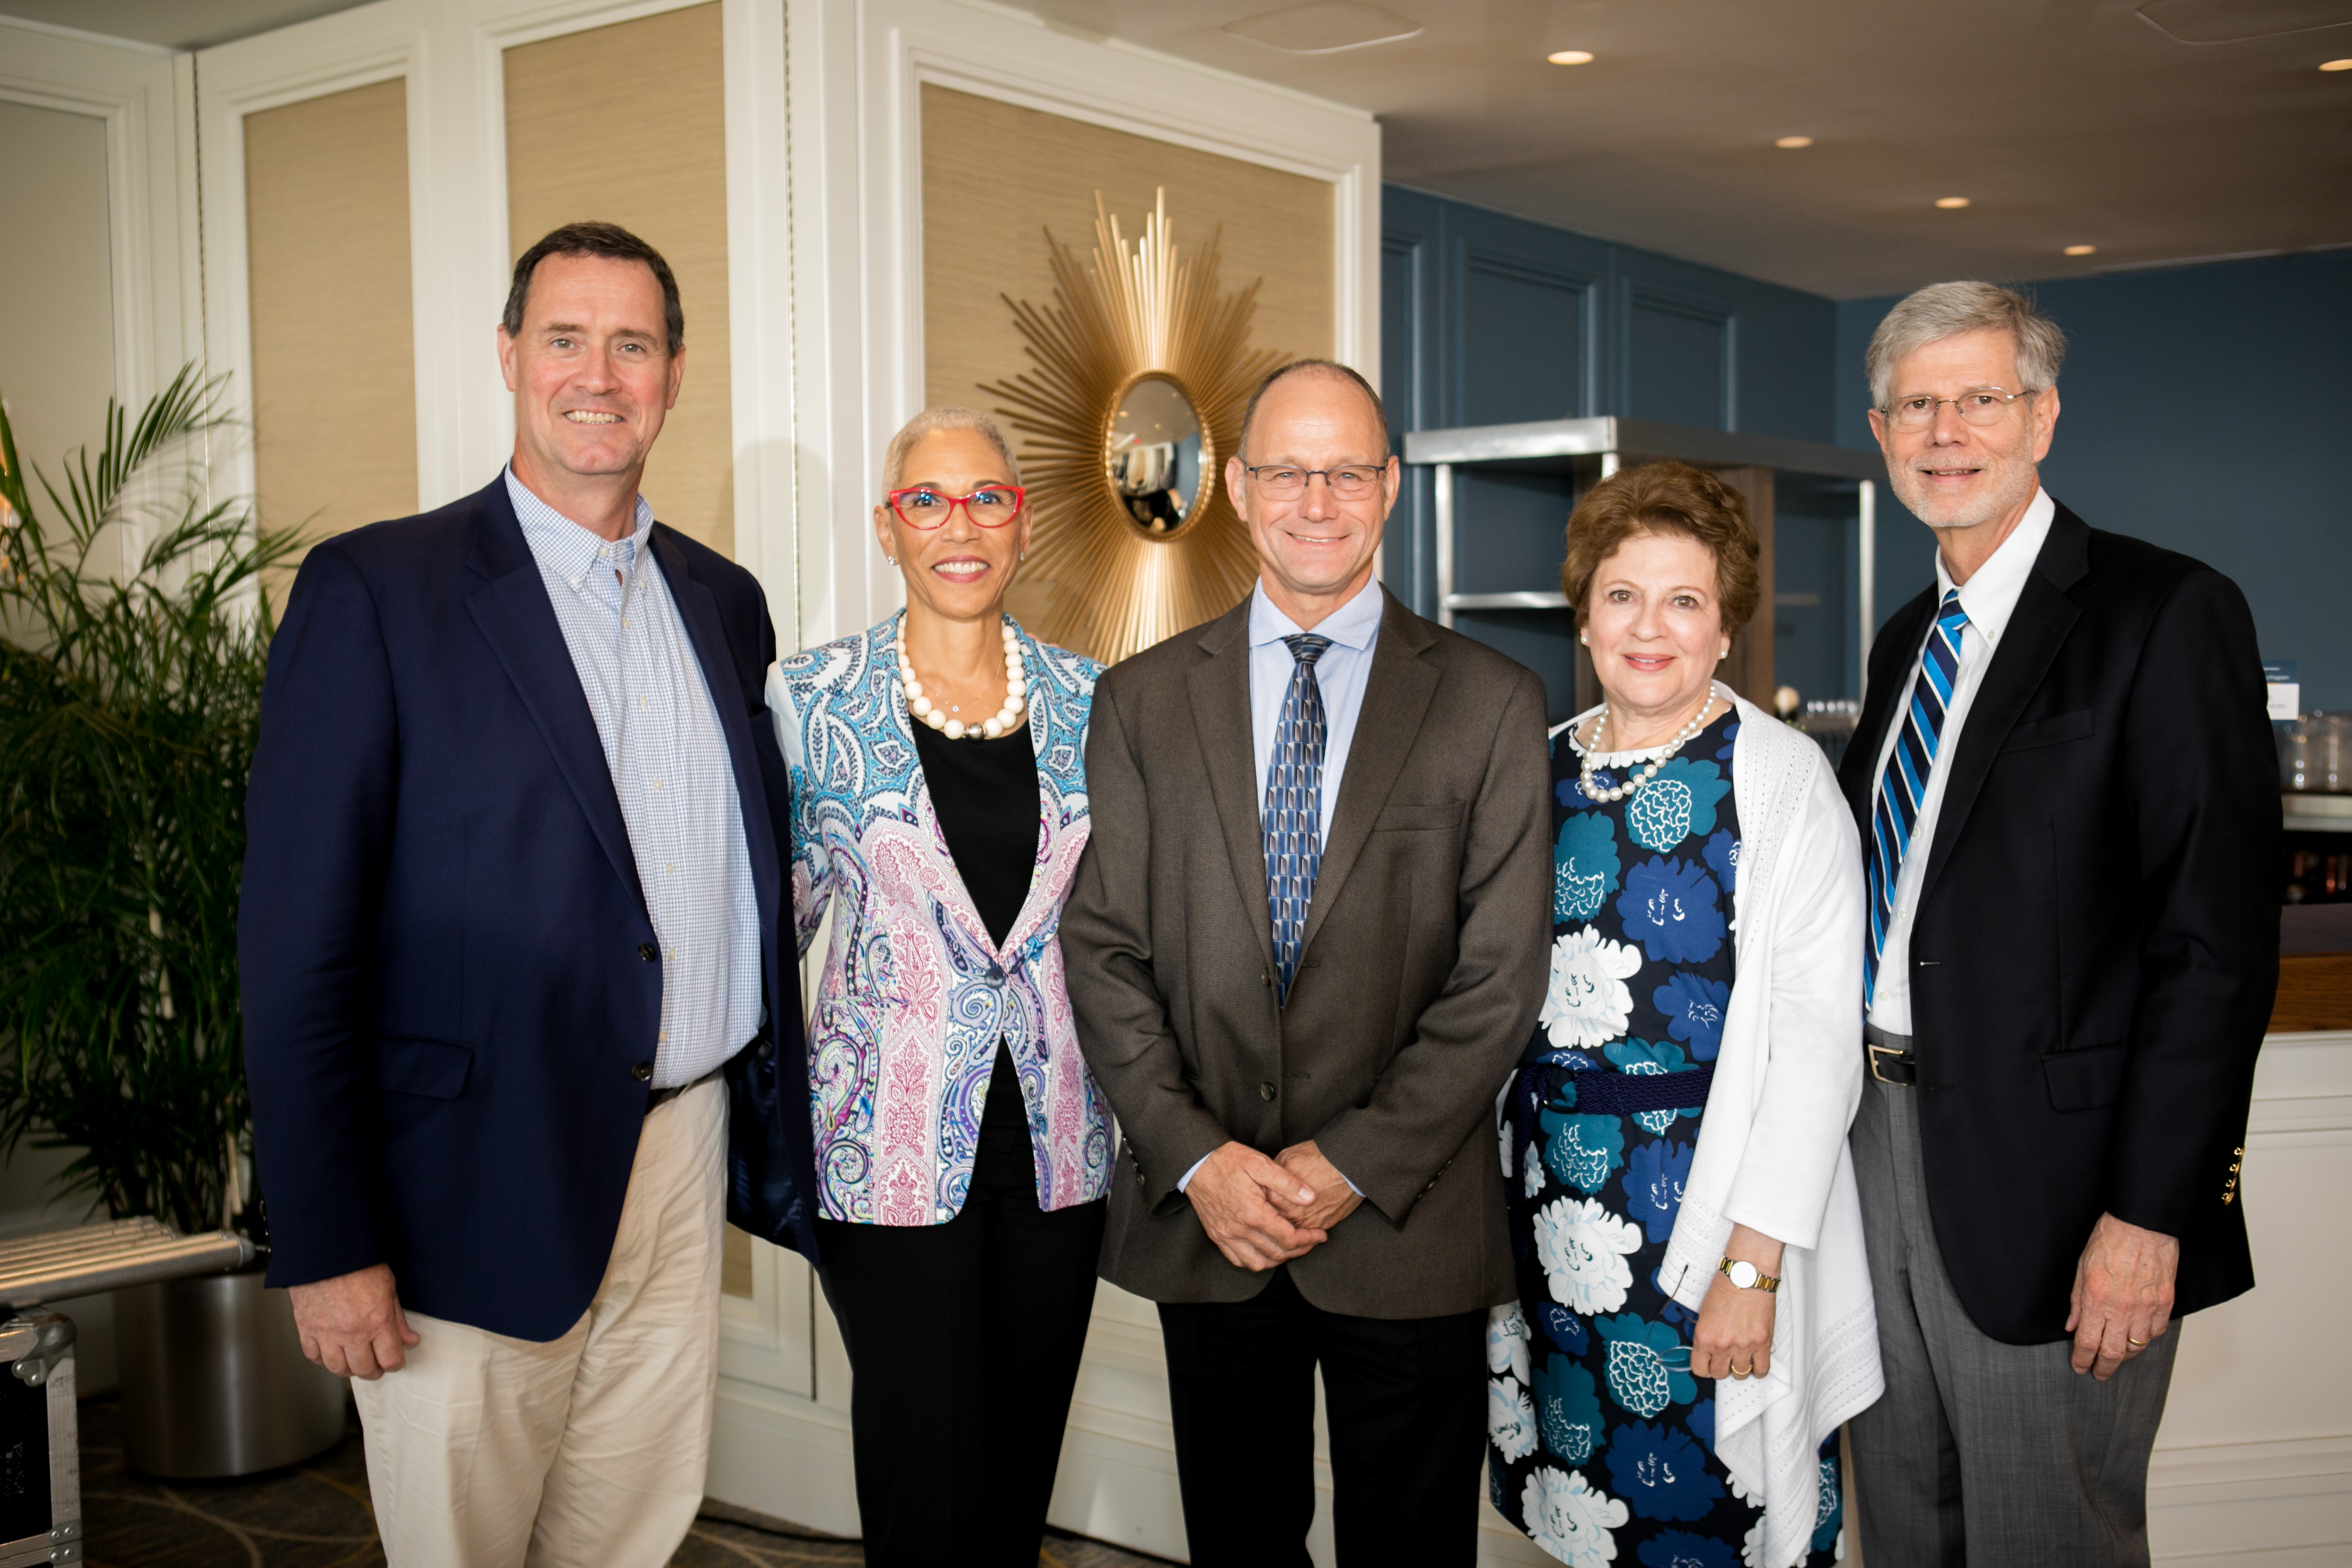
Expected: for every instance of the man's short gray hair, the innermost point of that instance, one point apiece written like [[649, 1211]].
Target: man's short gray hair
[[930, 422], [1943, 310]]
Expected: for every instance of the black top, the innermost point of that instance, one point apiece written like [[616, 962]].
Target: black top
[[986, 794]]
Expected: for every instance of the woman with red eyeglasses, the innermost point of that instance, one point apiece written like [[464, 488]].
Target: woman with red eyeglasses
[[962, 1150]]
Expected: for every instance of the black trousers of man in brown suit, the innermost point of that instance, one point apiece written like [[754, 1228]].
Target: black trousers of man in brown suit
[[1419, 977]]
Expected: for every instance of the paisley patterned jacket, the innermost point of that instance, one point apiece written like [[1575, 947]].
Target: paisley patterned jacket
[[914, 994]]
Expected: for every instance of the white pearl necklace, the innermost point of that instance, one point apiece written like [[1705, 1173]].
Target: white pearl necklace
[[1634, 782], [1016, 693]]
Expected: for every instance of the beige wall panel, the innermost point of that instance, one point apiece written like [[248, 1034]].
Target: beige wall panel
[[628, 124], [56, 312], [334, 364], [996, 175]]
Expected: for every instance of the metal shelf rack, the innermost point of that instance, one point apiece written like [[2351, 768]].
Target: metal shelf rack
[[1591, 449]]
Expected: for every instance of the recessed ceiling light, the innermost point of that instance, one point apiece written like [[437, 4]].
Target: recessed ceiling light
[[2081, 250], [2335, 65], [1951, 202], [1793, 141], [1570, 57]]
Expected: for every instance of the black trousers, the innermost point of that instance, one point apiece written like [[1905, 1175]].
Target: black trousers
[[963, 1343], [1406, 1400]]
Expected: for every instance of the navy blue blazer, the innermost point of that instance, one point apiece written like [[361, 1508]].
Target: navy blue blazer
[[451, 986]]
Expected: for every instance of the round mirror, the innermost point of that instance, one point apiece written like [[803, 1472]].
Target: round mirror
[[1153, 455]]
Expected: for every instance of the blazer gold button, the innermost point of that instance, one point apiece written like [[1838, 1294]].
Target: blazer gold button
[[643, 1072], [645, 950], [1266, 1091]]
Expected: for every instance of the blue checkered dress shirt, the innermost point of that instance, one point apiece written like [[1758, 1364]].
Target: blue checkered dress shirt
[[662, 740]]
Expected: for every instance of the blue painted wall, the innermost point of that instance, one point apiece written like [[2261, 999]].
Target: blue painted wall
[[1489, 320], [2208, 409]]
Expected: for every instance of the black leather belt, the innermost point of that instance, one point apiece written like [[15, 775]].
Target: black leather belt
[[1891, 1060], [661, 1096]]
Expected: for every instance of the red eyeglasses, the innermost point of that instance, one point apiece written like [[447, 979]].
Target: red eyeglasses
[[928, 507]]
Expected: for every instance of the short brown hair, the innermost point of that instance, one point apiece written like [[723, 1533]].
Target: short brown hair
[[1665, 498], [613, 243]]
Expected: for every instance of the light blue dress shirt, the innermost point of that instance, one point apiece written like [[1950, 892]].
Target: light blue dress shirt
[[668, 758], [1341, 673]]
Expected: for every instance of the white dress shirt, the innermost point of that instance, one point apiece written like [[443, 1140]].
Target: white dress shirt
[[1990, 598], [668, 759], [1339, 676]]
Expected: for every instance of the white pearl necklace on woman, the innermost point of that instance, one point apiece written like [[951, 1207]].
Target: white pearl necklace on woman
[[1634, 782], [1016, 691]]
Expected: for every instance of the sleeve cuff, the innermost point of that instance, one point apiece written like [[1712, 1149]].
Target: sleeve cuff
[[1186, 1179]]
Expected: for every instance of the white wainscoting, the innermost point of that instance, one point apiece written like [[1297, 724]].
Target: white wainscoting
[[2253, 1464]]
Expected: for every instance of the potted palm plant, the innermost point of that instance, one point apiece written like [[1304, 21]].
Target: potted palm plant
[[133, 638]]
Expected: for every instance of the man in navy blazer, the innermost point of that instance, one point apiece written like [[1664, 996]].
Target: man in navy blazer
[[511, 901]]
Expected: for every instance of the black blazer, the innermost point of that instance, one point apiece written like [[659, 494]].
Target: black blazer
[[449, 979], [2097, 946]]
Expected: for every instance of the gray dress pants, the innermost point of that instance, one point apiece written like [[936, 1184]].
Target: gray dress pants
[[1982, 1452]]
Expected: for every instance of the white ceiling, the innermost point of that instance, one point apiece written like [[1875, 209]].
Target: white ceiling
[[2062, 122]]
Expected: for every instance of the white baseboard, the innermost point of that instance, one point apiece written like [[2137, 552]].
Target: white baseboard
[[2281, 1504]]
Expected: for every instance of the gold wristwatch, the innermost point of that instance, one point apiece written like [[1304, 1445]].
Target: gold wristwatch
[[1746, 1275]]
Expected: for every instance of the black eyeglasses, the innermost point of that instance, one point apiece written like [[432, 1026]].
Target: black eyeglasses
[[1280, 481]]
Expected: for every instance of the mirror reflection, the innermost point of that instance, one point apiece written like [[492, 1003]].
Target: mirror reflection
[[1154, 455]]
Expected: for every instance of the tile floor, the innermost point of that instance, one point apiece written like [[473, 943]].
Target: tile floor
[[317, 1516]]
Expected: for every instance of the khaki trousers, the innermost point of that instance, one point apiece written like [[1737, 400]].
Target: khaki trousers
[[587, 1451]]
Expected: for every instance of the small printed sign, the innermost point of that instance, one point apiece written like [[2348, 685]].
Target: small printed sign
[[2279, 675]]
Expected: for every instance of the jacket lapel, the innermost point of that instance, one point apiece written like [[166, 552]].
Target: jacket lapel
[[516, 619], [1060, 834], [1894, 649], [700, 612], [2036, 631], [1220, 691], [946, 882], [1396, 697]]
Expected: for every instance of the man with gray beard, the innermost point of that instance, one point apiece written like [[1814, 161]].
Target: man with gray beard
[[2068, 796]]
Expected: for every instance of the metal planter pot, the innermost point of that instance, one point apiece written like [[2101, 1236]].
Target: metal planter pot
[[215, 1382]]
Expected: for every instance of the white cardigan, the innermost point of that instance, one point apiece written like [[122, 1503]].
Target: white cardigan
[[1772, 1147]]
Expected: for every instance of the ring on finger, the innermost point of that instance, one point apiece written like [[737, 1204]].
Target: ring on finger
[[1744, 1371], [2136, 1345]]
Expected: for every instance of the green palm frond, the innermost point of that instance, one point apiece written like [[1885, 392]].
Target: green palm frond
[[128, 706]]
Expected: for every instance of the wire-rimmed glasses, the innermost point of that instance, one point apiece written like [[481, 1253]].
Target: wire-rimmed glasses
[[1281, 481], [928, 506], [1983, 406]]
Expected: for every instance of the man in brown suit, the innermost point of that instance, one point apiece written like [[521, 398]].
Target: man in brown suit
[[1306, 945]]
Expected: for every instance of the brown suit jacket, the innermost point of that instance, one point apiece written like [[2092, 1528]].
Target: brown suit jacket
[[1419, 978]]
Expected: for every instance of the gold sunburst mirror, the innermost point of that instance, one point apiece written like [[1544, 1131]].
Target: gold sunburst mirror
[[1141, 370]]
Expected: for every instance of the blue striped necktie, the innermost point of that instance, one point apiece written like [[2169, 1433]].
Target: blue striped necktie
[[1905, 786], [1293, 818]]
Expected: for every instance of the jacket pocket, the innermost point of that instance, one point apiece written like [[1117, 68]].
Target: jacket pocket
[[1403, 818], [436, 1069], [2087, 1080], [2053, 730]]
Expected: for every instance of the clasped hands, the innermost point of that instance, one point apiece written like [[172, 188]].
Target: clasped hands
[[1262, 1211]]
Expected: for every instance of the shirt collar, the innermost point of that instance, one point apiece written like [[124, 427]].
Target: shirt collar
[[1990, 594], [1352, 625], [566, 548]]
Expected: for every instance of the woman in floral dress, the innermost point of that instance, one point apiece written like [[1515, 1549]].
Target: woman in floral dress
[[1694, 1319]]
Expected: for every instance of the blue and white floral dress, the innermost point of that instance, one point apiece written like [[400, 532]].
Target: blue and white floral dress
[[1601, 1442]]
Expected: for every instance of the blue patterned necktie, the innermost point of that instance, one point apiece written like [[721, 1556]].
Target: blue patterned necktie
[[1293, 818], [1905, 786]]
